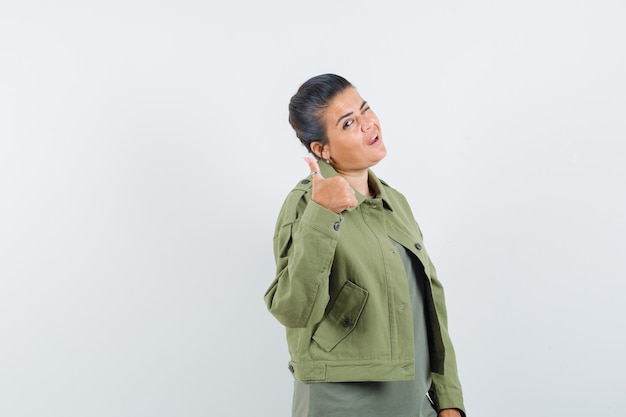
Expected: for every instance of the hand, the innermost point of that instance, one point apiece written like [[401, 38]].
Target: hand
[[449, 412], [334, 194]]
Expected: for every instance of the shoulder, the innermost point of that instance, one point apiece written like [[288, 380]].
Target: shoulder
[[301, 190], [303, 185], [393, 194], [295, 202], [400, 204]]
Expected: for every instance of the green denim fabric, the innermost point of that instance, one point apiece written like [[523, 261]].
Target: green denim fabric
[[341, 292]]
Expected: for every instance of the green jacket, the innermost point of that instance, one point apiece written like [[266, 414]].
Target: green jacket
[[341, 292]]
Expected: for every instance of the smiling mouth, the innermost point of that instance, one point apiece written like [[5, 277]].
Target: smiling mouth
[[375, 139]]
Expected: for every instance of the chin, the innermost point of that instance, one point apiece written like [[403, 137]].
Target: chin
[[377, 160], [381, 155]]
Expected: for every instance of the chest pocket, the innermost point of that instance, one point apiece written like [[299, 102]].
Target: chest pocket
[[342, 317]]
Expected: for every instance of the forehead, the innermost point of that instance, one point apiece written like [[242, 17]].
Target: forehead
[[346, 101]]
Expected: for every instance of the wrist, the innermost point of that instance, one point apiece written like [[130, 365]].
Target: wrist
[[449, 412]]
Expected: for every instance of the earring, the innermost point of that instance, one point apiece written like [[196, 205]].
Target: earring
[[327, 160]]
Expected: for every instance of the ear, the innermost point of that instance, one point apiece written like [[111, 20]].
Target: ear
[[318, 149]]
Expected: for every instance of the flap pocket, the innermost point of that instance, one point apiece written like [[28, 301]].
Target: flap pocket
[[342, 317]]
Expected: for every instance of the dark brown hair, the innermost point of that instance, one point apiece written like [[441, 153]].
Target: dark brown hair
[[307, 106]]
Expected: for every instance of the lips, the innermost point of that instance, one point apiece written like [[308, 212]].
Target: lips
[[374, 139]]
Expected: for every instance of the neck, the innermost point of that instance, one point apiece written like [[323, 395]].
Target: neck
[[358, 180]]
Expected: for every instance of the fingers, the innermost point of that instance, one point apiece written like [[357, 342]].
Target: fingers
[[349, 196], [335, 193], [315, 168]]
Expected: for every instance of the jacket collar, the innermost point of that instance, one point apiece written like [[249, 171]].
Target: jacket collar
[[328, 171]]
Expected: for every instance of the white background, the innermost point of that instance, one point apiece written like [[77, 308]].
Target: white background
[[145, 152]]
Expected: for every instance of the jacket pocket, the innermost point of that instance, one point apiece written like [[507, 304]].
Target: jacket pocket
[[342, 317]]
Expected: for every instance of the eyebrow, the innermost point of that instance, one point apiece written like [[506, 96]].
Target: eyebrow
[[351, 113]]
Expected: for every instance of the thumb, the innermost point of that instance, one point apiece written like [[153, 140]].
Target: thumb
[[315, 168]]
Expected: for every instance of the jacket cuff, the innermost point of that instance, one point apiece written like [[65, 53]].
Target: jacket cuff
[[451, 400], [321, 219]]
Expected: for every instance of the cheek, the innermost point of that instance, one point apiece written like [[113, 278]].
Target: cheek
[[344, 145]]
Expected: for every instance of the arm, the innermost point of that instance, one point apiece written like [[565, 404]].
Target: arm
[[448, 394], [303, 250], [446, 390]]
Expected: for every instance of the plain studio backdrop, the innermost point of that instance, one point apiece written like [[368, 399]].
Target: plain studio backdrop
[[145, 153]]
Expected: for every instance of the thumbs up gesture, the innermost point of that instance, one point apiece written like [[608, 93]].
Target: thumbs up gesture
[[334, 194]]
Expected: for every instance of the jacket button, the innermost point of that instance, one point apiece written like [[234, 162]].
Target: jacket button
[[347, 322], [336, 226], [418, 246], [305, 182], [291, 369]]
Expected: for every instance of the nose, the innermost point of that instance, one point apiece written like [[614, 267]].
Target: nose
[[366, 123]]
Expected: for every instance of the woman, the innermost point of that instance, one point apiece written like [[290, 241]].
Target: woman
[[363, 308]]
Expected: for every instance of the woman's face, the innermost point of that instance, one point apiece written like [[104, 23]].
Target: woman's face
[[355, 141]]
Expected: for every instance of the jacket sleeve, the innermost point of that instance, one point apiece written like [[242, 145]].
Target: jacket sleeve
[[304, 247], [446, 389]]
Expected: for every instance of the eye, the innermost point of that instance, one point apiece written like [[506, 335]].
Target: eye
[[348, 123], [366, 109]]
